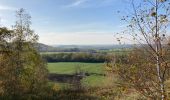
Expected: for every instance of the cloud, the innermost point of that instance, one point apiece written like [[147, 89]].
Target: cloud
[[3, 7], [76, 3], [89, 3]]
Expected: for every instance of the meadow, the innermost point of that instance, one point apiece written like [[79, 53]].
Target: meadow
[[97, 71]]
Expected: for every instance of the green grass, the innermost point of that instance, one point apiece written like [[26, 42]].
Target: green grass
[[71, 67], [94, 81]]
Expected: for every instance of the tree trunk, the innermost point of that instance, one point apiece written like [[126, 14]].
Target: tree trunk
[[161, 81]]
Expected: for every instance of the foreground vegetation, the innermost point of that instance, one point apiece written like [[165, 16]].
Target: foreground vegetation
[[23, 71]]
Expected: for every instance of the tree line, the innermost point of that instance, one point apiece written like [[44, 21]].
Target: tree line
[[75, 57]]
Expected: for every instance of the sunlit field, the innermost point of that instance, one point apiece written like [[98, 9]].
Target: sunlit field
[[97, 69]]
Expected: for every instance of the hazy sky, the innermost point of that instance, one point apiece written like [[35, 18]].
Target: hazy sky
[[69, 21]]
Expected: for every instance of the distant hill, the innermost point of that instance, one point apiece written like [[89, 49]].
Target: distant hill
[[44, 48], [98, 47], [77, 48]]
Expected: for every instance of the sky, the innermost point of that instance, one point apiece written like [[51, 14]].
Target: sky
[[69, 22]]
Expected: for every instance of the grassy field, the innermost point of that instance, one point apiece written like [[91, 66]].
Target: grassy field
[[71, 67]]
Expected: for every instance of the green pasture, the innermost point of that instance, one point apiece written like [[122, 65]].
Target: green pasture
[[72, 67]]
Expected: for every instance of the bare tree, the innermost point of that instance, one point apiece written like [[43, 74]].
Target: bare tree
[[148, 24]]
